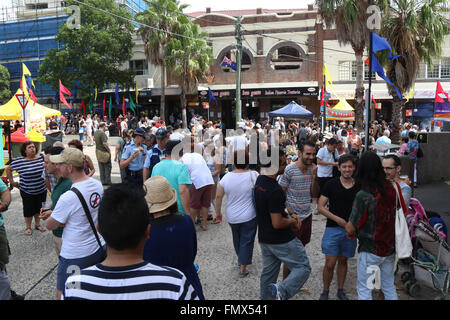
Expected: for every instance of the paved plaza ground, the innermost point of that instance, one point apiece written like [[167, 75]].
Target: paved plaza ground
[[32, 267]]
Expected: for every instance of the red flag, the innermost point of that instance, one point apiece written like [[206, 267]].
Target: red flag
[[63, 90], [321, 98], [373, 100], [440, 90], [83, 106], [32, 96], [104, 106], [123, 105]]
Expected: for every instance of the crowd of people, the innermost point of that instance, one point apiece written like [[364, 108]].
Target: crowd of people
[[274, 178]]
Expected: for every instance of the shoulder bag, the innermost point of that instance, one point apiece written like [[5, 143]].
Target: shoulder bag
[[403, 244], [336, 172], [91, 221], [102, 156]]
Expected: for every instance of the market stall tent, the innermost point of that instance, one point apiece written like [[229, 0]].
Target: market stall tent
[[342, 111], [292, 110]]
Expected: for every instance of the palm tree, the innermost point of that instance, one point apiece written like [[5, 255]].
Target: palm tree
[[159, 19], [190, 57], [350, 18], [416, 30]]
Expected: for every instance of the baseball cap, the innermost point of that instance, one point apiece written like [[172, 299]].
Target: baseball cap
[[141, 132], [161, 133], [71, 156]]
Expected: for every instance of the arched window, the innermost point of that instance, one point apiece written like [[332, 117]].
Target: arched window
[[285, 56], [231, 53]]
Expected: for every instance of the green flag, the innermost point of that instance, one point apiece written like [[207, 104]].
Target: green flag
[[132, 105], [110, 105], [90, 105]]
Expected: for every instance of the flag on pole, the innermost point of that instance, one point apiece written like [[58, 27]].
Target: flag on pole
[[104, 105], [110, 105], [327, 76], [74, 96], [123, 105], [90, 106], [439, 93], [132, 105], [95, 98], [117, 93], [226, 62], [27, 81], [83, 107], [211, 96], [378, 44], [63, 90], [410, 94], [137, 93]]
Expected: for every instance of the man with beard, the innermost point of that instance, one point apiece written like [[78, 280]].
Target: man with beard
[[339, 193], [299, 182]]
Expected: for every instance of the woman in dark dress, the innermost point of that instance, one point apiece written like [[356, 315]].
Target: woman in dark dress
[[173, 239]]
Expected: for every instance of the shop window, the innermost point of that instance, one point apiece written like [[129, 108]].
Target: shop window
[[286, 58]]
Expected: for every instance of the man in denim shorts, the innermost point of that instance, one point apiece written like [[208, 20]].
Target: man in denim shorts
[[339, 193]]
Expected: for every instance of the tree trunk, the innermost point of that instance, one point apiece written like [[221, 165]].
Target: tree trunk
[[397, 111], [162, 109], [359, 92], [183, 109]]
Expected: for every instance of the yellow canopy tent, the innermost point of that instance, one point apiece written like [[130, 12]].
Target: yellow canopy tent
[[13, 111], [342, 111]]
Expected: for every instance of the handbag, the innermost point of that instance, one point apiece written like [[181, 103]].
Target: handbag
[[403, 244], [91, 221], [102, 156], [336, 172]]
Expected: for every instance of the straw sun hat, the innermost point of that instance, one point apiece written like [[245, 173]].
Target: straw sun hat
[[160, 195]]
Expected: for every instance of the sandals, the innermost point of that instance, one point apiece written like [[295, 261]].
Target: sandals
[[41, 229], [28, 232], [216, 221]]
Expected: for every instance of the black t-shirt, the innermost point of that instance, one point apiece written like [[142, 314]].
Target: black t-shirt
[[270, 198], [340, 199]]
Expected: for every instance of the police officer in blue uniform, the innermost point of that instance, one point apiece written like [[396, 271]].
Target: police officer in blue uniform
[[156, 153], [133, 157]]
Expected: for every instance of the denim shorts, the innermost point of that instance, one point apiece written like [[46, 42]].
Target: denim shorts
[[335, 242], [67, 267]]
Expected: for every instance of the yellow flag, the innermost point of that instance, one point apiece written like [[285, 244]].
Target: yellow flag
[[26, 72], [95, 99], [410, 94], [137, 93], [327, 76]]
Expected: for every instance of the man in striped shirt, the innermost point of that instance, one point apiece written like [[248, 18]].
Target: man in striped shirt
[[123, 221]]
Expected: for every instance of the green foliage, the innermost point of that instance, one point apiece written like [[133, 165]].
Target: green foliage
[[93, 54], [5, 93]]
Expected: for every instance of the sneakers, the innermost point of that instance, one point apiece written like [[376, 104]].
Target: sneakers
[[275, 292], [323, 296], [341, 295], [15, 296], [243, 273]]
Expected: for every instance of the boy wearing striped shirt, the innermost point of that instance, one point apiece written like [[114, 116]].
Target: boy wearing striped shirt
[[123, 221]]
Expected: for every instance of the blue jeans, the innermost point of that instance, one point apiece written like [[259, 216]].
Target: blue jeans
[[368, 263], [244, 240], [293, 254]]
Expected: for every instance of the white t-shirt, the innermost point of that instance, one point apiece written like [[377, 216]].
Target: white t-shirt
[[123, 125], [176, 136], [78, 237], [326, 156], [238, 187], [198, 169], [238, 143]]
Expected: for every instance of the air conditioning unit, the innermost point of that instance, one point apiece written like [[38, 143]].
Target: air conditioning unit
[[149, 82]]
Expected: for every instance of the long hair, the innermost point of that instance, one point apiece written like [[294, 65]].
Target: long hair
[[370, 175]]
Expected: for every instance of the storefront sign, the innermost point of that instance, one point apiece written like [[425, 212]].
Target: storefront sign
[[266, 92]]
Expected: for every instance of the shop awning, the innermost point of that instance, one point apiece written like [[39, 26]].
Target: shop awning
[[342, 111], [292, 110]]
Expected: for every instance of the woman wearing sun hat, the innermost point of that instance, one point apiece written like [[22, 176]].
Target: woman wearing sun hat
[[173, 240]]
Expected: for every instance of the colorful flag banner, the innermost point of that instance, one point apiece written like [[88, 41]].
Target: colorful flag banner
[[90, 105], [110, 106], [83, 107], [104, 105], [63, 90], [132, 105], [95, 98], [137, 93], [123, 105], [211, 96], [440, 93], [410, 94], [117, 93]]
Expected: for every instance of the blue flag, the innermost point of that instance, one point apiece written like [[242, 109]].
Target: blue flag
[[117, 93], [74, 95], [57, 96], [228, 63], [378, 44], [211, 96]]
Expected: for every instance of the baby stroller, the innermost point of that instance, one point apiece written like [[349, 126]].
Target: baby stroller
[[431, 263]]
